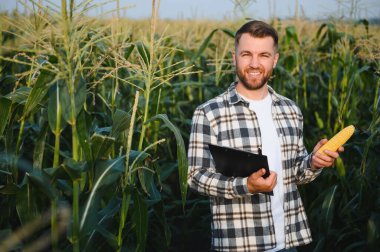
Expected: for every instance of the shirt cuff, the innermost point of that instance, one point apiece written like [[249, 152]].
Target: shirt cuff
[[308, 162], [241, 186]]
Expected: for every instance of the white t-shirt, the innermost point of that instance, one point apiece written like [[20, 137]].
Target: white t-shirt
[[271, 148]]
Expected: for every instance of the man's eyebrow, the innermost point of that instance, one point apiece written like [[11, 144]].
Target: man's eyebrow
[[245, 51]]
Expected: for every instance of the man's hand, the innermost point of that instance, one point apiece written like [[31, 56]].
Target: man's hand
[[256, 183], [319, 160]]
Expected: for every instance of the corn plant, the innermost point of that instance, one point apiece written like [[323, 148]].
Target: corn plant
[[55, 84]]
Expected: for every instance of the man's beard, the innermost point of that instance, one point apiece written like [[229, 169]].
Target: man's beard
[[255, 84]]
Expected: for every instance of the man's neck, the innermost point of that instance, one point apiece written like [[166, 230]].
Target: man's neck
[[258, 94]]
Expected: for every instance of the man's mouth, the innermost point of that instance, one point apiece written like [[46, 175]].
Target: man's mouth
[[254, 73]]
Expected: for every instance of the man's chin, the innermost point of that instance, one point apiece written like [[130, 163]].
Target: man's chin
[[253, 86]]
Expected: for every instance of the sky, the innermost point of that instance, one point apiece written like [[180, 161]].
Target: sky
[[224, 9]]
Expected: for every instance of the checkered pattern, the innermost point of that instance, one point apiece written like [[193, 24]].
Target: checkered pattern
[[243, 221]]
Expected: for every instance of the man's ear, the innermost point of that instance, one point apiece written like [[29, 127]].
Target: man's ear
[[234, 57], [276, 59]]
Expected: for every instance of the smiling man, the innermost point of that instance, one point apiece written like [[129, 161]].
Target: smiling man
[[251, 116]]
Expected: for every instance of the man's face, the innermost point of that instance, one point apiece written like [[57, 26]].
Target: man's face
[[255, 59]]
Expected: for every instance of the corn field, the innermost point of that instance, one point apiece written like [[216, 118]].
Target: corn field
[[95, 116]]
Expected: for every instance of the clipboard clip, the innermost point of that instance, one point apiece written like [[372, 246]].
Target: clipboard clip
[[260, 152]]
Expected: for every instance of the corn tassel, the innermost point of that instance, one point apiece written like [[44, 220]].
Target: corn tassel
[[338, 140]]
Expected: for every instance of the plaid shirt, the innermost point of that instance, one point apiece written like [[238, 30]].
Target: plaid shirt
[[242, 221]]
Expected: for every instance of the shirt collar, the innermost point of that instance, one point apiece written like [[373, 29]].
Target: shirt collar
[[234, 97]]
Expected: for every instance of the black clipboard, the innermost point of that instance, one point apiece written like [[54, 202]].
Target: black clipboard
[[238, 163]]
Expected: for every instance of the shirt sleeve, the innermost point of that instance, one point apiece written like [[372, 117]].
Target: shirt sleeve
[[304, 172], [202, 176]]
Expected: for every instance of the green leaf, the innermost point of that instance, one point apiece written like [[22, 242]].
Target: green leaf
[[83, 129], [340, 167], [291, 35], [37, 94], [327, 211], [163, 237], [128, 51], [103, 215], [352, 81], [319, 120], [42, 183], [57, 173], [133, 154], [74, 168], [104, 170], [140, 220], [121, 121], [110, 237], [79, 94], [101, 146], [9, 189], [108, 172], [148, 185], [39, 147], [5, 111], [55, 108], [20, 96], [181, 154], [229, 32], [26, 204], [203, 46]]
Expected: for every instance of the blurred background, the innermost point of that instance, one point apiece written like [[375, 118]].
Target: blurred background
[[230, 9]]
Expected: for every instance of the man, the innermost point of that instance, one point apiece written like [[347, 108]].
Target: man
[[251, 116]]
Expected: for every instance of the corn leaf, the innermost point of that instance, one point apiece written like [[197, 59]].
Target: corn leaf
[[54, 105], [327, 211], [103, 216], [74, 168], [19, 96], [109, 237], [148, 185], [128, 51], [57, 173], [83, 129], [9, 189], [26, 204], [104, 169], [203, 46], [37, 94], [140, 220], [181, 154], [107, 172], [5, 110], [101, 146], [121, 121], [291, 35], [39, 147], [79, 99], [42, 183]]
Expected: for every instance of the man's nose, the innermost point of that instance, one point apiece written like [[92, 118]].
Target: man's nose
[[254, 61]]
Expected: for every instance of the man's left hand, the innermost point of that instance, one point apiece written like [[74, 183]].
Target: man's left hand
[[319, 160]]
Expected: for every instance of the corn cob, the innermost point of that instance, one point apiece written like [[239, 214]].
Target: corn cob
[[338, 140]]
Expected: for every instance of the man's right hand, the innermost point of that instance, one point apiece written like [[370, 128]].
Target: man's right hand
[[256, 183]]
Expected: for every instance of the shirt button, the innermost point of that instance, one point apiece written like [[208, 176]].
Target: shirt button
[[287, 228]]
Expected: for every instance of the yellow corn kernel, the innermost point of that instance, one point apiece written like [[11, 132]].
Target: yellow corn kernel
[[338, 140]]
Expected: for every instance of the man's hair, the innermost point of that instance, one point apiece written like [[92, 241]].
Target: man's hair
[[257, 29]]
